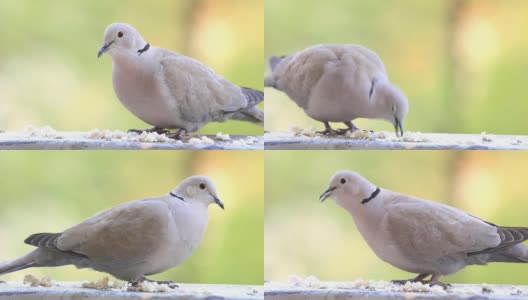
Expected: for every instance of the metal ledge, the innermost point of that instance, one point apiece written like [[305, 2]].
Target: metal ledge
[[333, 291], [79, 141], [425, 141], [73, 290]]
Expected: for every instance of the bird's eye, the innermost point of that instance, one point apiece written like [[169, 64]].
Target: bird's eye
[[343, 180], [120, 34], [202, 186]]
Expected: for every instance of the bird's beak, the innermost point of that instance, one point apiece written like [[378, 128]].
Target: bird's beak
[[217, 201], [398, 126], [104, 49], [326, 194]]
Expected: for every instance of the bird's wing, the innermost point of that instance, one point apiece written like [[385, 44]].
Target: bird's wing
[[421, 228], [298, 73], [128, 232], [198, 86]]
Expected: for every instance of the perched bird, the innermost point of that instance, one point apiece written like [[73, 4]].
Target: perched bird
[[131, 240], [339, 83], [171, 91], [421, 236]]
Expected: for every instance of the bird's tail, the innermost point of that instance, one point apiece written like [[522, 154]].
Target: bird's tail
[[517, 253], [23, 262], [253, 96], [251, 114]]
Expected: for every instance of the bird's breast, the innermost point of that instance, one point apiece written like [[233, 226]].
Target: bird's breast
[[140, 92]]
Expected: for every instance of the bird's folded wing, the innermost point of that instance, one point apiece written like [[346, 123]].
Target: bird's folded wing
[[427, 229], [300, 72], [202, 89], [128, 232]]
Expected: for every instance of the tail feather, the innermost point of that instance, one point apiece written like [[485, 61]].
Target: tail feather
[[250, 114], [24, 262], [253, 96], [509, 236]]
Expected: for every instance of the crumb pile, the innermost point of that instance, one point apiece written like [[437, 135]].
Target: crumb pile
[[34, 281]]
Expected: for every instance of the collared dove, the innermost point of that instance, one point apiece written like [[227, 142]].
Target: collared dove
[[131, 240], [421, 236], [339, 83], [171, 91]]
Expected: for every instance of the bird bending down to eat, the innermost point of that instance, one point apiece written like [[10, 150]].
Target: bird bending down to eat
[[131, 240], [171, 91], [421, 236], [339, 83]]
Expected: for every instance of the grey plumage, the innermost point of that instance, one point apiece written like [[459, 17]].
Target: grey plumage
[[421, 236], [131, 240], [169, 90]]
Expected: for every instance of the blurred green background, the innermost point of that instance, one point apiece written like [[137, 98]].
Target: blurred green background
[[50, 74], [304, 237], [51, 191], [462, 63]]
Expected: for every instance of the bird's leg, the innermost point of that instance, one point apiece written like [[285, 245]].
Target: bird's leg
[[419, 278], [434, 281], [178, 135], [351, 128], [157, 130], [328, 130]]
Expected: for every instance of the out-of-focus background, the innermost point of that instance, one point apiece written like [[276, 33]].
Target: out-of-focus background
[[304, 237], [50, 74], [462, 63], [51, 191]]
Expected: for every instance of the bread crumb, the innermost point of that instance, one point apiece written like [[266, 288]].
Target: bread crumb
[[101, 284], [252, 291], [486, 137], [44, 132], [223, 137], [34, 281], [298, 131], [414, 137], [203, 140], [310, 282], [150, 287], [119, 285]]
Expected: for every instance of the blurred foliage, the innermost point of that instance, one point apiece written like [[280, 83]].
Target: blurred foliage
[[50, 191], [460, 62], [50, 74], [304, 237]]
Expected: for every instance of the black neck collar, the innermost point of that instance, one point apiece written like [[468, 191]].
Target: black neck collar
[[145, 49], [176, 196], [372, 196]]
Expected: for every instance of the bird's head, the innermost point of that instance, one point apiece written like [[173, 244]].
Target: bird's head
[[348, 188], [198, 188], [392, 104], [121, 38]]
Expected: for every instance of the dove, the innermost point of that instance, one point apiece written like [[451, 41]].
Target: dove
[[171, 91], [339, 83], [131, 240], [422, 236]]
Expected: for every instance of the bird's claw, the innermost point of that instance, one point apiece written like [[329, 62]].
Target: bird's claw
[[445, 286], [178, 135]]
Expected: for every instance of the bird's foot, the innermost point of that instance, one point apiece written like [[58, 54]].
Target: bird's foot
[[329, 131], [178, 135], [157, 130], [432, 283]]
